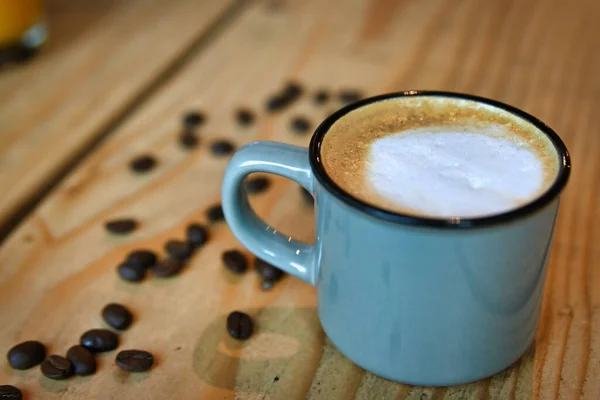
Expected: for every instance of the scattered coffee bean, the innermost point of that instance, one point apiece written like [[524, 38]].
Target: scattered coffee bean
[[235, 261], [167, 268], [321, 96], [292, 91], [267, 271], [276, 103], [188, 139], [197, 235], [121, 226], [117, 316], [244, 116], [215, 213], [135, 360], [288, 95], [276, 379], [239, 325], [26, 355], [9, 392], [221, 147], [82, 360], [99, 340], [179, 249], [258, 184], [348, 96], [307, 197], [143, 258], [131, 273], [193, 119], [57, 367], [143, 163], [300, 124]]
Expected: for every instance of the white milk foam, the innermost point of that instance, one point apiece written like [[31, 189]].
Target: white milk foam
[[448, 172]]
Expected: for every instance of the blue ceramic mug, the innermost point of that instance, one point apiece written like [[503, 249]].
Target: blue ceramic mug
[[419, 300]]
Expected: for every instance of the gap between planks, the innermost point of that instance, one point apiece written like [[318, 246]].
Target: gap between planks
[[198, 45]]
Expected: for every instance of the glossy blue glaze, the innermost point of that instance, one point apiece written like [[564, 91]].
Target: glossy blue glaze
[[430, 306], [294, 257]]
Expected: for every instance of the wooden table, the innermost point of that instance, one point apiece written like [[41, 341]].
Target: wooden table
[[114, 82]]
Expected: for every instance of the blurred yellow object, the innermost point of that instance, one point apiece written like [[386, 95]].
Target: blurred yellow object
[[21, 23]]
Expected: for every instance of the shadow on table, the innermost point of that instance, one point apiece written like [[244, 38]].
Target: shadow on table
[[285, 341]]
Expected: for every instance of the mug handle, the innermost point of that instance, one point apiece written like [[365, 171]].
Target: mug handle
[[294, 257]]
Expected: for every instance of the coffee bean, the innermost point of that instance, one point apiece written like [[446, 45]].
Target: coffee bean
[[193, 119], [348, 96], [321, 96], [235, 261], [143, 258], [117, 316], [221, 147], [9, 392], [276, 103], [131, 273], [307, 196], [188, 139], [99, 340], [143, 163], [215, 213], [179, 249], [267, 271], [26, 355], [258, 184], [292, 91], [244, 116], [57, 367], [300, 124], [135, 360], [82, 360], [121, 226], [197, 235], [239, 325], [167, 268]]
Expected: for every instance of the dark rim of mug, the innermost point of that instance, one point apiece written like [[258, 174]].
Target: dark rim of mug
[[395, 217]]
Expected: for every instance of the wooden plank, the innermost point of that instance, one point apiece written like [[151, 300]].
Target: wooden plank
[[102, 59], [58, 267]]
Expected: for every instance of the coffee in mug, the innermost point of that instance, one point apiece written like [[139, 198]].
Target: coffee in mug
[[439, 157]]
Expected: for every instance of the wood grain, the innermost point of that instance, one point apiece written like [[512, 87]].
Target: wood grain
[[102, 58], [58, 266]]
